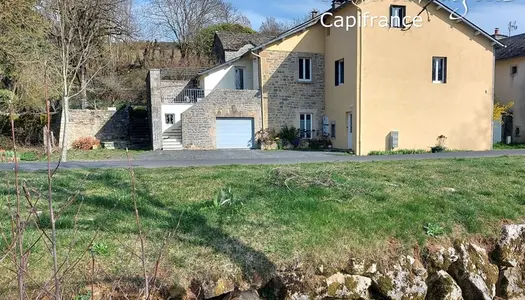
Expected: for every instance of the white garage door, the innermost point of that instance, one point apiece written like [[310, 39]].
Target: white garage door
[[234, 133]]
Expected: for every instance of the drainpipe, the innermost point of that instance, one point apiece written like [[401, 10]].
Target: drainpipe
[[259, 58], [360, 79]]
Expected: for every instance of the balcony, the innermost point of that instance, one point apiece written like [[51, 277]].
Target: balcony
[[186, 96]]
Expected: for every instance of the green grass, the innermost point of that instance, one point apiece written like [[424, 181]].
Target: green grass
[[38, 154], [503, 146], [274, 216]]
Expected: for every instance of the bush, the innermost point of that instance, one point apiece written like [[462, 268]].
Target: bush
[[29, 156], [266, 136], [86, 143], [290, 135]]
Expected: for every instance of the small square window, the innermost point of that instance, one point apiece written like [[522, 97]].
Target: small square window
[[332, 130], [305, 69], [170, 119], [397, 16], [514, 70], [439, 69], [339, 72]]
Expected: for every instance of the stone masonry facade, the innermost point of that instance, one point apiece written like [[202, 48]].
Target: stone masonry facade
[[285, 96], [198, 122]]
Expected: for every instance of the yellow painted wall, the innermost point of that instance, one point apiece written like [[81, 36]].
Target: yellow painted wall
[[512, 88], [340, 100], [311, 40], [398, 92]]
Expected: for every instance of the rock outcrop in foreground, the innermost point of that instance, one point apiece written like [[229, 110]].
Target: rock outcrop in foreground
[[464, 271]]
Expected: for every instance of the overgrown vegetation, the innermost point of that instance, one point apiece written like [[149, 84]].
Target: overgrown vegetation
[[312, 213]]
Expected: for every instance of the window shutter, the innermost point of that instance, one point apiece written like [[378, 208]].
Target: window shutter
[[301, 68], [444, 70], [434, 70], [308, 67], [336, 73], [342, 71]]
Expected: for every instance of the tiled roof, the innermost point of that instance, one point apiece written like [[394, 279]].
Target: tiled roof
[[515, 47], [233, 41]]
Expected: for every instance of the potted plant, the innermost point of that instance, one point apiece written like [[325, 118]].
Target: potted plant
[[440, 145]]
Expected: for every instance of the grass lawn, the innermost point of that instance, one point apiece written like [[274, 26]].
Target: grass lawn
[[38, 154], [503, 146], [311, 213]]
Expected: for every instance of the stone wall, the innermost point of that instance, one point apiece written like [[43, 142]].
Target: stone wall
[[461, 271], [198, 122], [102, 124], [285, 96]]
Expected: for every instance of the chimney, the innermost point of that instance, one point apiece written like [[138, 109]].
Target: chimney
[[496, 32], [314, 13], [337, 3]]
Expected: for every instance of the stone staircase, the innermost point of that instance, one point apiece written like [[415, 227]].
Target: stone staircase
[[172, 139]]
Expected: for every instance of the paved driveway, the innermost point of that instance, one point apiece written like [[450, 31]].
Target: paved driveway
[[191, 158]]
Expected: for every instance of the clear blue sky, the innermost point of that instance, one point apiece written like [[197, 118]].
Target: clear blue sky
[[484, 13], [488, 14]]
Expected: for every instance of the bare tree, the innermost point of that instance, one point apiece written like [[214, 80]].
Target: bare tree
[[272, 26], [80, 28], [231, 15], [183, 19]]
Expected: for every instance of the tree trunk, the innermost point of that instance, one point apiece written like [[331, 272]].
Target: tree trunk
[[83, 87], [63, 128]]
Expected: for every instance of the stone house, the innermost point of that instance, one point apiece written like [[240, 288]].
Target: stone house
[[365, 88], [230, 45], [510, 84]]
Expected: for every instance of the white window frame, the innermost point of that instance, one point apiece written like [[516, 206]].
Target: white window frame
[[436, 65], [309, 133], [302, 60], [167, 119], [398, 11]]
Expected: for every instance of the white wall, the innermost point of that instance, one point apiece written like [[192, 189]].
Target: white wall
[[224, 78], [176, 109]]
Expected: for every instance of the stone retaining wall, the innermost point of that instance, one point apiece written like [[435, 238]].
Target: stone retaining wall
[[198, 122], [463, 271], [103, 124]]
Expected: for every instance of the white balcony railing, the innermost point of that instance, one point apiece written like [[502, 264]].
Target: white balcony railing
[[185, 96]]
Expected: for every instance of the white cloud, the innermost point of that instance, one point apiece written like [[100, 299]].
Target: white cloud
[[493, 15]]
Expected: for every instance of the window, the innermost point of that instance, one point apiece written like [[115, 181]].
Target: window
[[239, 78], [305, 69], [397, 16], [339, 72], [439, 69], [514, 70], [170, 119], [332, 130], [305, 125]]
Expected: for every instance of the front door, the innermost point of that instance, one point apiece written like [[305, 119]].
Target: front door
[[239, 78], [350, 129]]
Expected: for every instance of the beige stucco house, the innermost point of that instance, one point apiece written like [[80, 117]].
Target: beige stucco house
[[510, 84], [366, 87]]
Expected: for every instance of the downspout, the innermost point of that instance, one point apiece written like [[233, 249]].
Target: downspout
[[259, 58], [360, 79]]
